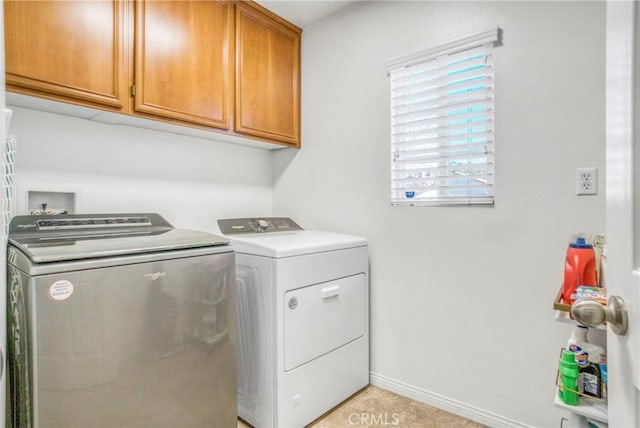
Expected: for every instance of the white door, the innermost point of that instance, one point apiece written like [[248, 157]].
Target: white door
[[623, 209]]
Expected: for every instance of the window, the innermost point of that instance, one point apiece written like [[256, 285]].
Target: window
[[442, 139]]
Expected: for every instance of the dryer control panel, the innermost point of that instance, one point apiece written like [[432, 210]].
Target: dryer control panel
[[235, 226]]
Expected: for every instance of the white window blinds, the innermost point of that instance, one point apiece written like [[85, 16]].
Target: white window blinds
[[442, 145]]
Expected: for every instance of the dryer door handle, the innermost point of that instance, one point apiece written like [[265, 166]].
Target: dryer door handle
[[329, 292]]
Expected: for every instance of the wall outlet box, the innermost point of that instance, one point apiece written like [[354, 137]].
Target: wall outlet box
[[587, 181], [45, 202]]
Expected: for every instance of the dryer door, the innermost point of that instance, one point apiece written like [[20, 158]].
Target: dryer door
[[322, 317]]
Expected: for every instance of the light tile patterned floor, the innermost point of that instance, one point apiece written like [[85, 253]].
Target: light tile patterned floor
[[376, 407]]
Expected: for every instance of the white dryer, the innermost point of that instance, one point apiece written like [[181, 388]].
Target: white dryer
[[303, 320]]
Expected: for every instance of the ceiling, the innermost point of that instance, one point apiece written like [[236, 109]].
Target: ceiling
[[305, 12]]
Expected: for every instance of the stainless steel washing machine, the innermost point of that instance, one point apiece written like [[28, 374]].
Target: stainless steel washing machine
[[119, 321]]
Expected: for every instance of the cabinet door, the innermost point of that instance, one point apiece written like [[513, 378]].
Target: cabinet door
[[183, 60], [68, 50], [267, 76]]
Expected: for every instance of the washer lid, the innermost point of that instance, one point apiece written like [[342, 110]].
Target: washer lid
[[59, 238], [288, 244]]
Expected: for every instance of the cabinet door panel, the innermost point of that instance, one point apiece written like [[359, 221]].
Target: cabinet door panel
[[183, 59], [267, 77], [73, 50]]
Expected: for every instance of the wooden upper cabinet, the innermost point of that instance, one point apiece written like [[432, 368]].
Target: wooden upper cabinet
[[68, 50], [184, 60], [225, 65], [267, 75]]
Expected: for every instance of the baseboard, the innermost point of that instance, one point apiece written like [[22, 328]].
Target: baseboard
[[444, 403]]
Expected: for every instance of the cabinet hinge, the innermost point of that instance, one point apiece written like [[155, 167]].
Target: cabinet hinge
[[133, 90]]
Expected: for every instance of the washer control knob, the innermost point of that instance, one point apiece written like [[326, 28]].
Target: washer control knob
[[293, 303], [262, 225]]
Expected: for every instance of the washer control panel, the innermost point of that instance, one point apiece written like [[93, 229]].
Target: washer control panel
[[235, 226]]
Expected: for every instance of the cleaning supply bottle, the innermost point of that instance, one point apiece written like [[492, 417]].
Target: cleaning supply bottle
[[599, 246], [587, 357], [604, 376], [591, 379], [579, 268], [568, 377]]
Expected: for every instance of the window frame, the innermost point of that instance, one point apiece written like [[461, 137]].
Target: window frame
[[444, 195]]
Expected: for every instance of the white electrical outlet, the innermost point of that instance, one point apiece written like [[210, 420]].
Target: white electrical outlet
[[587, 181]]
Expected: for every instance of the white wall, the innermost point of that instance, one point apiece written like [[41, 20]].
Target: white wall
[[461, 298], [191, 182]]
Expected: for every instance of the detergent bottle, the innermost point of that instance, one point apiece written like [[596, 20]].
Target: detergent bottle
[[568, 378], [579, 267]]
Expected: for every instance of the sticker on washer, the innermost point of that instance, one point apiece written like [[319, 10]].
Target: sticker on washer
[[61, 290]]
